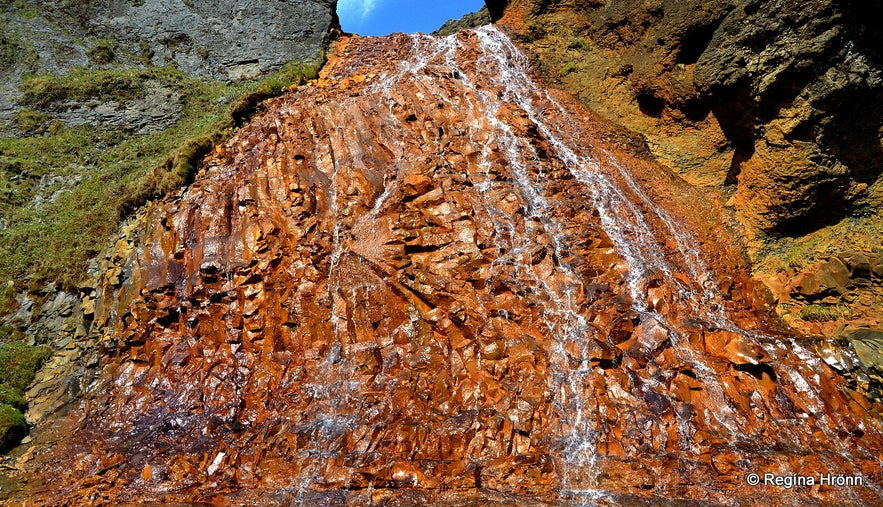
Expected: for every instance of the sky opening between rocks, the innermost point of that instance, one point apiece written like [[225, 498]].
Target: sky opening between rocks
[[382, 17]]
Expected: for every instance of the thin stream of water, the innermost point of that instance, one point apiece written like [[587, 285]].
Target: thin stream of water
[[504, 81]]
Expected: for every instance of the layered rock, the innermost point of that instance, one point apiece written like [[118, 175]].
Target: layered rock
[[775, 104], [428, 274], [226, 40]]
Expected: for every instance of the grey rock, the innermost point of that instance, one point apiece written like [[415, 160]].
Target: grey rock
[[769, 59], [475, 19], [225, 39], [868, 345], [220, 39], [158, 110], [50, 187]]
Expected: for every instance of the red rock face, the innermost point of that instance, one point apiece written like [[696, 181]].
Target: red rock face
[[428, 277]]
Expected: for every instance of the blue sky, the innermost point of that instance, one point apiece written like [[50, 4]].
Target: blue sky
[[382, 17]]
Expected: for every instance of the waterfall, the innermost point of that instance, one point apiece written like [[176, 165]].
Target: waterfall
[[439, 278], [618, 200]]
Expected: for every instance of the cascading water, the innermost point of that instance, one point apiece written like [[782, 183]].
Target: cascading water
[[427, 278]]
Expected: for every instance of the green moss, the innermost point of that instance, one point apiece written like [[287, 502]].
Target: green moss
[[850, 234], [7, 51], [32, 122], [13, 397], [26, 10], [117, 171], [12, 427], [10, 334], [19, 363], [18, 366], [824, 313], [291, 74], [567, 68], [103, 52], [41, 92], [8, 304], [579, 43]]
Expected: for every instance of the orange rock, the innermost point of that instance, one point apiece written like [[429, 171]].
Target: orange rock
[[734, 348], [364, 290]]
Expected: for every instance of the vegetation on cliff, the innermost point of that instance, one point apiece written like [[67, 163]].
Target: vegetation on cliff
[[18, 365], [64, 188]]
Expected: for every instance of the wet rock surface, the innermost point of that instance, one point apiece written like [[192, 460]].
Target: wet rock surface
[[428, 274], [777, 105], [837, 301], [794, 89]]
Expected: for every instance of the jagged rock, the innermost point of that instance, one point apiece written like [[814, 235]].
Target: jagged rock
[[158, 110], [799, 87], [796, 90], [777, 104], [858, 263], [821, 279], [734, 348], [427, 273], [868, 347], [473, 20]]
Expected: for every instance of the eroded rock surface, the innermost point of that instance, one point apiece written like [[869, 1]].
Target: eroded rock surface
[[777, 105], [428, 274], [227, 40], [782, 101]]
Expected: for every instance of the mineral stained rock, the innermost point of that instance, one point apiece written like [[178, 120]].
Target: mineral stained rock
[[775, 105], [428, 277], [781, 101]]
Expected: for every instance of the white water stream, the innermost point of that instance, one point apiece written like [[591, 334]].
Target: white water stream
[[494, 83]]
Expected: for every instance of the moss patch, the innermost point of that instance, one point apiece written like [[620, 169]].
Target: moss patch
[[103, 52], [12, 397], [18, 366], [41, 92], [19, 363], [96, 176], [32, 122], [12, 427], [824, 313], [850, 234]]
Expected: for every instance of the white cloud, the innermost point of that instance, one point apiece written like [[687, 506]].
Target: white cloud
[[356, 9]]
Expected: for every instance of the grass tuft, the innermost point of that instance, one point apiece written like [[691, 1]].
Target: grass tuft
[[12, 427], [50, 91], [102, 52], [824, 313], [18, 366], [19, 363]]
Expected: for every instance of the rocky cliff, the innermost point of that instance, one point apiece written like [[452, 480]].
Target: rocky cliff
[[776, 105], [228, 40], [429, 279], [103, 107]]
